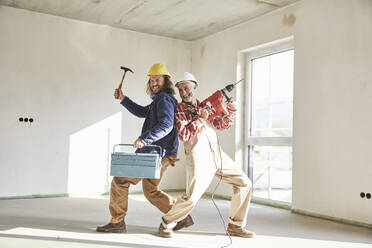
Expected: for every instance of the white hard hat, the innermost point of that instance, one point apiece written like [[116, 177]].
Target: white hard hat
[[187, 76]]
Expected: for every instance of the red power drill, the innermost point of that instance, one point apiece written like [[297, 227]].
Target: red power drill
[[214, 103]]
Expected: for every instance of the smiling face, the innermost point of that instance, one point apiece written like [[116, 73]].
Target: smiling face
[[187, 91], [156, 83]]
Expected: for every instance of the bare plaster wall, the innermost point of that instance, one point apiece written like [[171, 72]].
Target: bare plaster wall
[[63, 73]]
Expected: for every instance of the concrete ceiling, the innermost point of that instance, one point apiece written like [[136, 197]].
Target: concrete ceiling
[[181, 19]]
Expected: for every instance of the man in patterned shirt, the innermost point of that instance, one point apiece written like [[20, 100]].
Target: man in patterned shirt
[[205, 159]]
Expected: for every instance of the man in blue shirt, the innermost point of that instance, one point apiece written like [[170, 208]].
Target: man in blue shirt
[[157, 130]]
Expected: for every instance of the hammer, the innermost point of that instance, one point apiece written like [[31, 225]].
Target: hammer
[[125, 71]]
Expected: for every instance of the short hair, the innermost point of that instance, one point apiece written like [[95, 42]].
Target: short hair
[[167, 87]]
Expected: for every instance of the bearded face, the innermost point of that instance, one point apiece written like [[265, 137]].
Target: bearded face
[[156, 83], [187, 91]]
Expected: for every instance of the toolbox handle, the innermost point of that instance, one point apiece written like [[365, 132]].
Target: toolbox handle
[[160, 149]]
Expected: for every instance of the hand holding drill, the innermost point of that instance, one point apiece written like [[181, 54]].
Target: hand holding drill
[[231, 105], [204, 113]]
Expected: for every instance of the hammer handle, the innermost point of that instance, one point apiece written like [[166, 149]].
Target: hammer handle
[[121, 84]]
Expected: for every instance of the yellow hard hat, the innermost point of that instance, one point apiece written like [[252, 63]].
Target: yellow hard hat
[[158, 69]]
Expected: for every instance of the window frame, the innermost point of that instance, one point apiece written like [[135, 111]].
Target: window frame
[[251, 54]]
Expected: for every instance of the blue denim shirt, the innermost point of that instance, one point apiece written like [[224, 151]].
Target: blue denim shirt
[[158, 128]]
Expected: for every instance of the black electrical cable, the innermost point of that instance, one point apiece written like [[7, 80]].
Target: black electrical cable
[[214, 191]]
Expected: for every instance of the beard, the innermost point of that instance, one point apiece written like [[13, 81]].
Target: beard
[[156, 89], [188, 98]]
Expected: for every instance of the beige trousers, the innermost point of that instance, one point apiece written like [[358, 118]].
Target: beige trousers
[[120, 187], [203, 163]]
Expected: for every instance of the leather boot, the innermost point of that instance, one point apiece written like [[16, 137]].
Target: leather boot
[[112, 227], [186, 222], [239, 231], [165, 232]]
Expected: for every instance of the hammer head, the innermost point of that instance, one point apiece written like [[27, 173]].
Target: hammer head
[[126, 69]]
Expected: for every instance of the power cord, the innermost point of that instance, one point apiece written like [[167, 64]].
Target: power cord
[[214, 191]]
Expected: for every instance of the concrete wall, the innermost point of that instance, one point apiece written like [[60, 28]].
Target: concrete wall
[[63, 73], [332, 94]]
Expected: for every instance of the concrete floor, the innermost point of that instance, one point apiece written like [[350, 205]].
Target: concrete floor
[[71, 222]]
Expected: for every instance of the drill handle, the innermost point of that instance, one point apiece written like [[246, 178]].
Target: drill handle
[[228, 99]]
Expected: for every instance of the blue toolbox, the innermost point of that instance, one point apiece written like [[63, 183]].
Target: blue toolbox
[[138, 165]]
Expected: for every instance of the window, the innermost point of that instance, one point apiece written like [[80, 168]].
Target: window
[[270, 125]]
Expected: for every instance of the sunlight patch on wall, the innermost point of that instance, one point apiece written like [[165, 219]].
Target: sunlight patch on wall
[[89, 156]]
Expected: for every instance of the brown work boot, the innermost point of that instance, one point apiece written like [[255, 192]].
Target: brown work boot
[[186, 222], [112, 227], [239, 231], [165, 232]]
